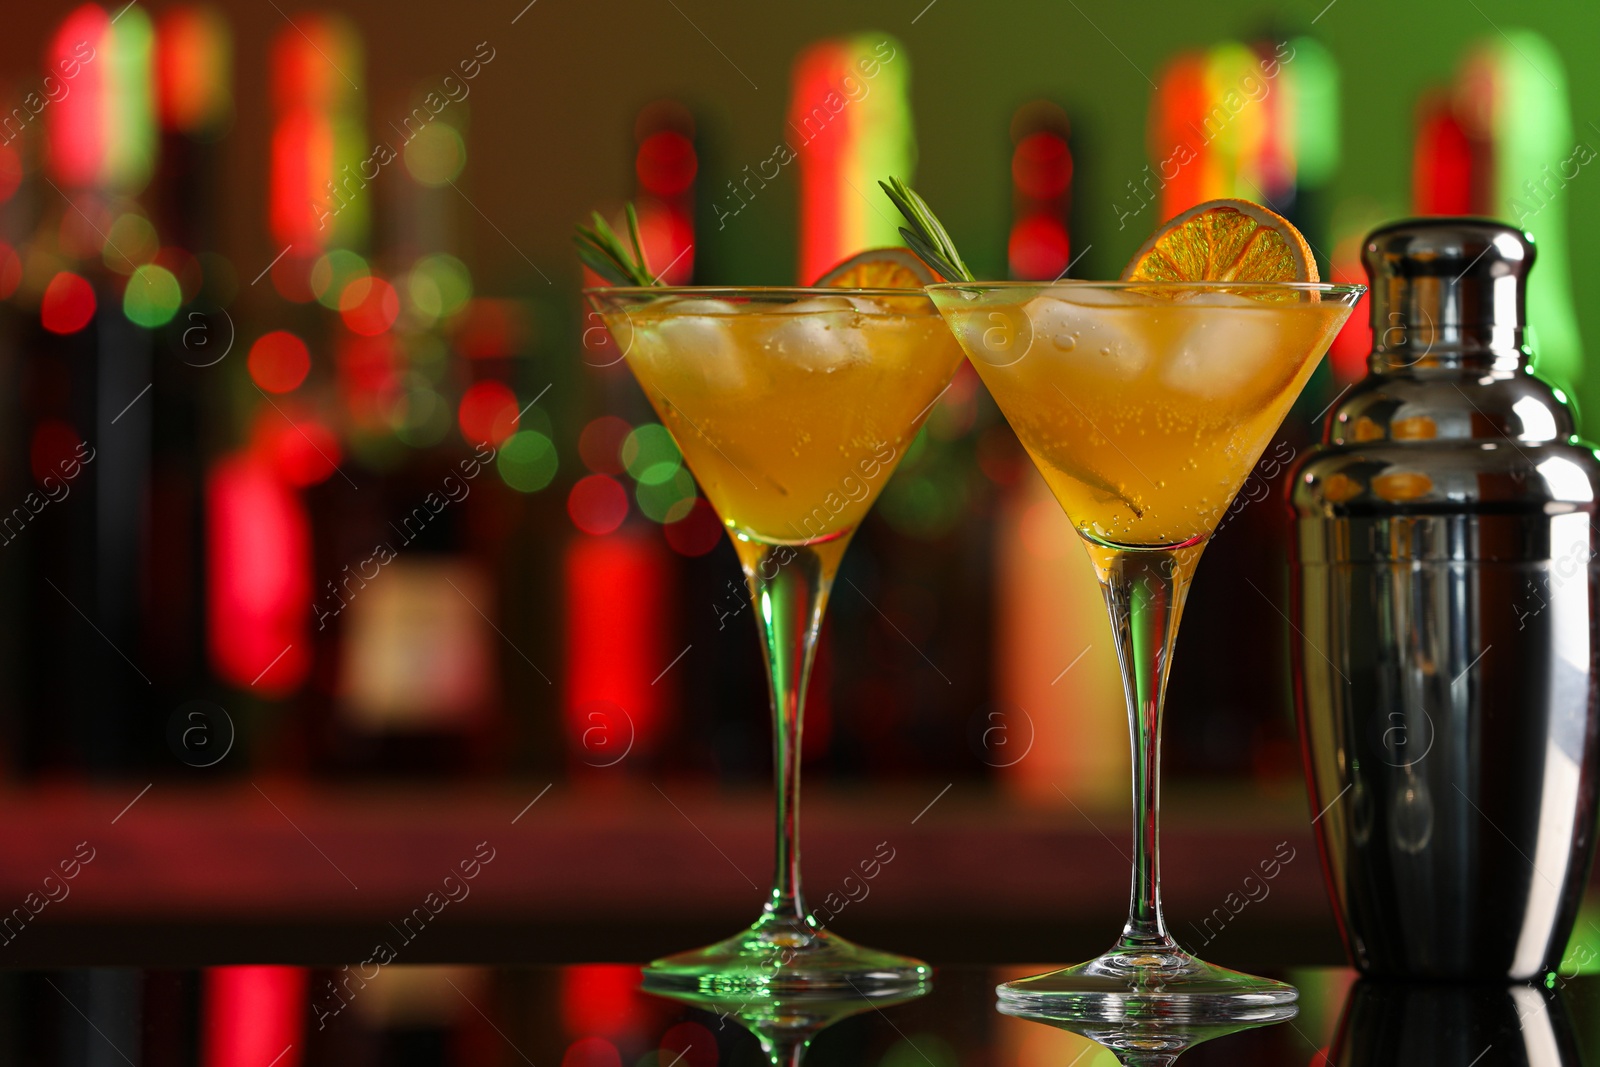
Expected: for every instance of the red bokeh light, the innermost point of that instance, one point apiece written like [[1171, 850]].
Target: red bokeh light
[[697, 532], [668, 237], [488, 412], [299, 447], [54, 443], [369, 378], [666, 163], [258, 577], [68, 304], [306, 452], [1041, 166], [690, 1043], [1039, 247], [591, 1052], [597, 504], [279, 361], [77, 120], [600, 444], [601, 998], [369, 305]]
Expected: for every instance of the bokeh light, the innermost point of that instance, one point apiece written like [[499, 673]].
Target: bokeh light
[[597, 504], [67, 305], [152, 296], [291, 277], [666, 163], [438, 286], [130, 241], [600, 444], [422, 417], [332, 273], [435, 156], [687, 1044], [279, 361], [591, 1052], [697, 532], [488, 412], [669, 500], [369, 305], [650, 454], [82, 232], [527, 462], [305, 451]]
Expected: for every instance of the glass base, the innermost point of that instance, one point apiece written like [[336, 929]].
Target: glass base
[[1135, 984], [785, 957]]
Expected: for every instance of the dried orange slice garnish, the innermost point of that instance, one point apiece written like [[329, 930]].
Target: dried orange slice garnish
[[880, 268], [1224, 241]]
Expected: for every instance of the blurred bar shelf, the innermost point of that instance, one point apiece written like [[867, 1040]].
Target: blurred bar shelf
[[274, 870]]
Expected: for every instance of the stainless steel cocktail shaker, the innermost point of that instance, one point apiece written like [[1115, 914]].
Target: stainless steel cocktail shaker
[[1444, 603]]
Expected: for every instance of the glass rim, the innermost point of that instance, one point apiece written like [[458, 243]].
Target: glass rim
[[802, 291], [1335, 288]]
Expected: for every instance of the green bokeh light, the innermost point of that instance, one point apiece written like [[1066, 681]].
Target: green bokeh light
[[651, 455], [438, 286], [527, 461], [152, 296], [668, 500]]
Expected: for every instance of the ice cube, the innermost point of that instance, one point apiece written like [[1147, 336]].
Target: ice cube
[[823, 334], [694, 340], [1101, 338], [1219, 353]]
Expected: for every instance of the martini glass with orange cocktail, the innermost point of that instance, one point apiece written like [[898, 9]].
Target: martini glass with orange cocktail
[[792, 407], [1145, 403]]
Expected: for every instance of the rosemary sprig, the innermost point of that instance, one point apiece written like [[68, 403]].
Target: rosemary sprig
[[603, 252], [927, 236]]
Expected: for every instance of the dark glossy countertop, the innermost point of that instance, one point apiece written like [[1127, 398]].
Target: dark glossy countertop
[[596, 1016]]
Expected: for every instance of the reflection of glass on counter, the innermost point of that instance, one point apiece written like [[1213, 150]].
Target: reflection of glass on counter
[[784, 1024]]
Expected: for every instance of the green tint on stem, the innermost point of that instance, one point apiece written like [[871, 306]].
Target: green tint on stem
[[1144, 592], [789, 585]]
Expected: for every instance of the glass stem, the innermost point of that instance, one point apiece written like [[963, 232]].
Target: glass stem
[[1144, 592], [786, 1051], [789, 585]]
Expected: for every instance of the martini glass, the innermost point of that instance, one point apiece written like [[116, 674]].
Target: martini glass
[[1144, 405], [792, 408]]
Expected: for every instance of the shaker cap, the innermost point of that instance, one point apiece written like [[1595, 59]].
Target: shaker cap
[[1446, 286]]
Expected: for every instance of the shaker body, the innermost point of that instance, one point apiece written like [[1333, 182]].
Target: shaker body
[[1447, 711]]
